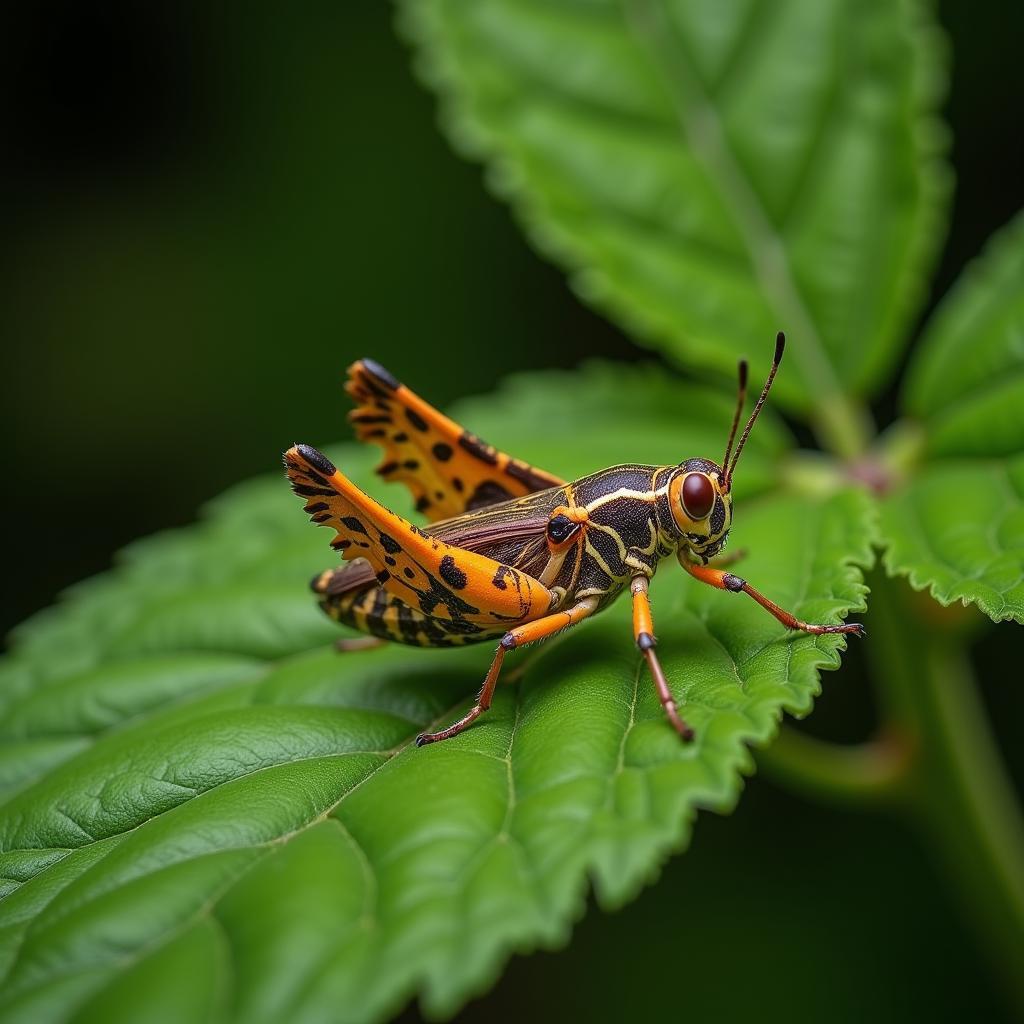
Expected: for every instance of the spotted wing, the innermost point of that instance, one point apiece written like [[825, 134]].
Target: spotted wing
[[448, 469], [444, 581], [512, 532]]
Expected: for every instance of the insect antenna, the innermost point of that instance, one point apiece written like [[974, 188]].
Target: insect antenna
[[740, 399], [780, 345]]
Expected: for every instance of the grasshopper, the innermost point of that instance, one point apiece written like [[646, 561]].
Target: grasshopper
[[512, 553]]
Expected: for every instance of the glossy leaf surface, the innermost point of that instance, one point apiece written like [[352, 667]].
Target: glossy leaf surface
[[712, 172]]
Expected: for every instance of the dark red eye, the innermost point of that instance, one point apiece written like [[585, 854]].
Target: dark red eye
[[698, 494]]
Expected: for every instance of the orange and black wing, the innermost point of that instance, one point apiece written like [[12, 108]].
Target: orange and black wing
[[512, 533], [443, 581], [448, 469]]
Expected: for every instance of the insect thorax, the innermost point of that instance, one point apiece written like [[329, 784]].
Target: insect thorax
[[628, 529]]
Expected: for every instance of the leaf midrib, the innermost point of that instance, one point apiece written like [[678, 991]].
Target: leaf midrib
[[705, 137]]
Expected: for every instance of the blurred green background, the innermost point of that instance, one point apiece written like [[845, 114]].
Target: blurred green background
[[210, 211]]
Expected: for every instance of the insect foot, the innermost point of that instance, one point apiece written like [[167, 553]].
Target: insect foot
[[856, 628]]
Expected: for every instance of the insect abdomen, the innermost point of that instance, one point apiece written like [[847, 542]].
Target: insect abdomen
[[373, 610]]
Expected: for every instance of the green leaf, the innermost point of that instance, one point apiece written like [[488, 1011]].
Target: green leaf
[[712, 172], [957, 528], [966, 381], [956, 525], [212, 814]]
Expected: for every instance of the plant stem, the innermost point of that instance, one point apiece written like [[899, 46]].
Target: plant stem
[[842, 425], [867, 772], [958, 787], [937, 758]]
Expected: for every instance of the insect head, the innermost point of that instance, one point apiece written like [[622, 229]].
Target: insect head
[[700, 495]]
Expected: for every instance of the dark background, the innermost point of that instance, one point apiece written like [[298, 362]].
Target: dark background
[[209, 210]]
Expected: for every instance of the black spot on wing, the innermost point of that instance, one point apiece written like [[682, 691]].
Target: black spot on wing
[[316, 459], [527, 475], [457, 608], [314, 477], [452, 574], [389, 544], [478, 449], [306, 491], [383, 376], [488, 493], [416, 420], [353, 524], [442, 452]]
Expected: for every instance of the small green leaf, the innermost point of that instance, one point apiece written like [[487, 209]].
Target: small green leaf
[[213, 812], [956, 525], [957, 528], [712, 172], [966, 381]]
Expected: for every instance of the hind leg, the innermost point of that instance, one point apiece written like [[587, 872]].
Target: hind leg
[[539, 629]]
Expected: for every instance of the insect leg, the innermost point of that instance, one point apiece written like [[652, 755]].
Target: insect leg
[[643, 633], [525, 634], [735, 584]]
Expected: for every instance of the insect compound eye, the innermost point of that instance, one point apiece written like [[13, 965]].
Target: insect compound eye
[[561, 528], [697, 495]]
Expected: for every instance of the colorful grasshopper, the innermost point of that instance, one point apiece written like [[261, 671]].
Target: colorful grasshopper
[[512, 552]]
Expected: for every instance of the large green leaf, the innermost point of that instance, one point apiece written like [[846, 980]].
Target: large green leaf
[[712, 171], [212, 815], [956, 525]]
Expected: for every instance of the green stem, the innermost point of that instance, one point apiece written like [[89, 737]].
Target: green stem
[[958, 787], [936, 757], [867, 772], [842, 425]]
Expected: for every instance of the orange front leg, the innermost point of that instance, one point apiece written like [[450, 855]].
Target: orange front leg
[[735, 584], [643, 634], [539, 629]]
